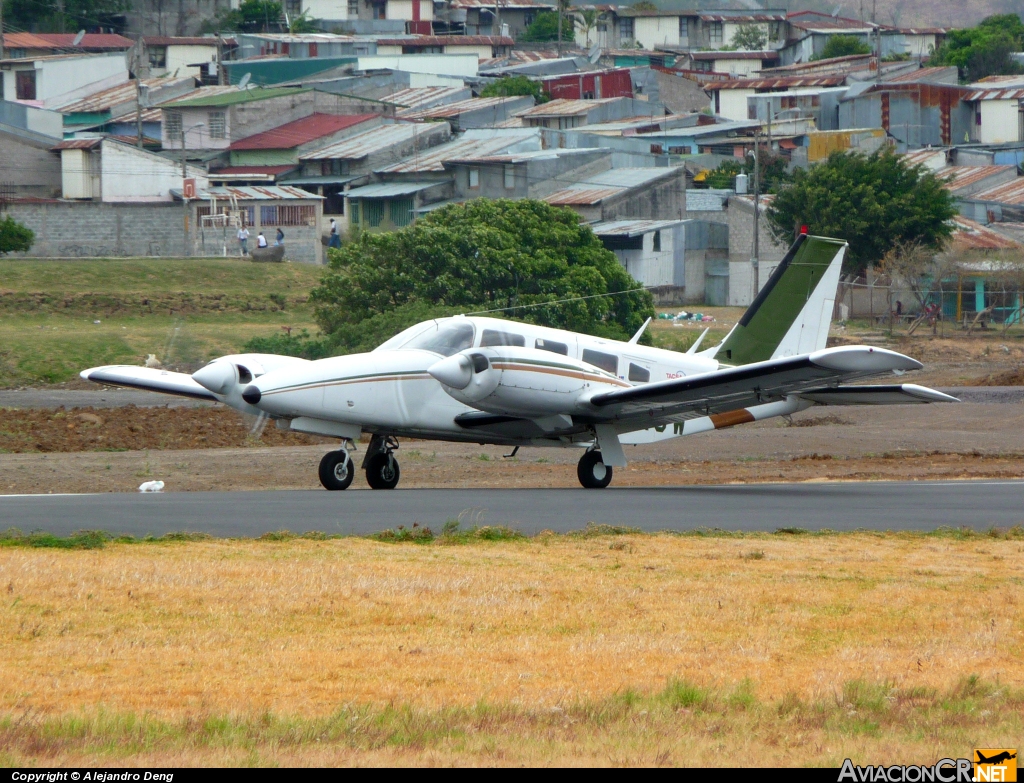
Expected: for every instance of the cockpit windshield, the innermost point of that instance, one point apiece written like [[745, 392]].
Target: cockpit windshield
[[446, 338]]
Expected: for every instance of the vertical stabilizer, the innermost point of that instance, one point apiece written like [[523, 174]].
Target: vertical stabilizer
[[792, 312]]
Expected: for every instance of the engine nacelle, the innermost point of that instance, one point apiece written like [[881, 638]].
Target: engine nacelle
[[520, 381], [228, 376]]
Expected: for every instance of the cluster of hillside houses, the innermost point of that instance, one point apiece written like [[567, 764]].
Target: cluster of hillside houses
[[166, 145]]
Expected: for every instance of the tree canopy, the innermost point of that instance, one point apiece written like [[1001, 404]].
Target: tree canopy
[[14, 237], [984, 50], [751, 37], [873, 202], [773, 172], [476, 256], [842, 46], [77, 15], [544, 27], [514, 85], [257, 15]]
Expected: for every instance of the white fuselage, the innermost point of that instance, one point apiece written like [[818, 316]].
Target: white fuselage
[[530, 372]]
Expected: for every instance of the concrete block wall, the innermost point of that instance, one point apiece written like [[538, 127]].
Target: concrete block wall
[[661, 200], [740, 216]]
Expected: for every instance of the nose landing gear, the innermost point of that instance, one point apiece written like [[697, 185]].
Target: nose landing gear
[[337, 470]]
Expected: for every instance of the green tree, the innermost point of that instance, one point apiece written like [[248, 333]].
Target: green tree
[[14, 237], [250, 16], [984, 50], [773, 172], [842, 46], [514, 85], [644, 5], [873, 202], [544, 27], [751, 37], [46, 17], [476, 256], [587, 19]]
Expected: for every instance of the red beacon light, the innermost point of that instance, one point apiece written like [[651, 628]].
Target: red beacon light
[[803, 229]]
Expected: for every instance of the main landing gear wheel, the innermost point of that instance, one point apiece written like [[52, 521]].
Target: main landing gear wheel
[[337, 470], [592, 471], [382, 471]]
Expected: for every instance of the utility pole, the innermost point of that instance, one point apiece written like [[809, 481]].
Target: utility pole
[[1, 30], [60, 16], [558, 10], [757, 208], [184, 176], [139, 65]]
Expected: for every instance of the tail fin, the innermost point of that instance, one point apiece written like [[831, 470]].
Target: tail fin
[[792, 312]]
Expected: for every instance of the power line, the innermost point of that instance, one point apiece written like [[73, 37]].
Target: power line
[[557, 301]]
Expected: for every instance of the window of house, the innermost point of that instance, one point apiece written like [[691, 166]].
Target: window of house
[[158, 57], [400, 211], [172, 123], [529, 16], [605, 361], [287, 215], [626, 29], [313, 49], [374, 212], [602, 27], [715, 32], [657, 241], [474, 178], [684, 31], [510, 177], [293, 7], [639, 374], [551, 345], [353, 9], [354, 214], [25, 85], [492, 337], [215, 123]]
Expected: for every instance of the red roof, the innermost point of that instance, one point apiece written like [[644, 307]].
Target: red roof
[[66, 41], [294, 134]]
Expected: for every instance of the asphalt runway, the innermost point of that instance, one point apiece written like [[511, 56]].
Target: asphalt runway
[[760, 507]]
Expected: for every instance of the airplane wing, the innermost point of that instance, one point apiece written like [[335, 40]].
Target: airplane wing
[[894, 394], [818, 374], [150, 379]]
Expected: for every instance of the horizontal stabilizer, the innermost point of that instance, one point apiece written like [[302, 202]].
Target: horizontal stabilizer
[[149, 379], [896, 394]]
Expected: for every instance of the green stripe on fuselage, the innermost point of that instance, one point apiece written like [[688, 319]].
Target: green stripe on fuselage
[[779, 302]]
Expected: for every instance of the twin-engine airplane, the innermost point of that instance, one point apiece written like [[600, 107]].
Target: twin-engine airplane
[[491, 381]]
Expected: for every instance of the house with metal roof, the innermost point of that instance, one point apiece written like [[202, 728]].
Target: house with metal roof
[[738, 64], [104, 106], [531, 174], [385, 206], [55, 80], [996, 106], [185, 55], [284, 144], [729, 98], [650, 193], [486, 17], [36, 173], [485, 47], [31, 45], [562, 114], [914, 115]]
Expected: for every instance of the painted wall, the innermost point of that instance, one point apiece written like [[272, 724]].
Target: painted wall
[[442, 64], [196, 138], [61, 81], [999, 122], [403, 9], [652, 31], [134, 175], [36, 171], [740, 67], [732, 104], [179, 58], [78, 179], [326, 9]]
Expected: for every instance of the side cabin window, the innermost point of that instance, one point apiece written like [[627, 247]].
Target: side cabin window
[[639, 374], [449, 339], [493, 337], [551, 345], [606, 361]]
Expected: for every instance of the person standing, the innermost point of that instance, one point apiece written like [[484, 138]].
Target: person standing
[[335, 239], [280, 237], [243, 239]]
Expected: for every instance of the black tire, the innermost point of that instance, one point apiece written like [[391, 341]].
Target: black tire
[[382, 471], [336, 470], [592, 472]]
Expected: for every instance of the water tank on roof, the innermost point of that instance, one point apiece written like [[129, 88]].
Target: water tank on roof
[[741, 183]]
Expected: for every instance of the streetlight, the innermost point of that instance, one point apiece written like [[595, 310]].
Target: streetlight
[[184, 176], [757, 194]]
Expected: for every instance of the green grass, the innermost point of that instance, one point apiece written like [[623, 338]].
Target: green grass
[[184, 312]]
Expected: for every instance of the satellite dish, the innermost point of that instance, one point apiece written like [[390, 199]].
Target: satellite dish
[[244, 81], [78, 38], [836, 10]]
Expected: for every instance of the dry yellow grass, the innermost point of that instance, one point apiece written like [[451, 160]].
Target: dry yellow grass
[[338, 630]]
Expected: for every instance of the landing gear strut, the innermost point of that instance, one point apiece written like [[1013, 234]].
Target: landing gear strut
[[592, 472], [336, 470], [382, 471]]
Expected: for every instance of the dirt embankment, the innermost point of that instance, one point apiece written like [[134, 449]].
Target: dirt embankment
[[179, 303], [131, 429]]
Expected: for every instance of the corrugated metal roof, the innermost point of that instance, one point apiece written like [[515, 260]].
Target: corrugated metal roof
[[78, 144], [969, 235], [451, 110], [294, 134], [167, 40], [521, 157], [1007, 193], [66, 41], [959, 177], [235, 171], [412, 97], [565, 107], [934, 159], [121, 94], [735, 55], [214, 96], [254, 193], [741, 17], [390, 189], [448, 40], [995, 95], [920, 73], [814, 20], [631, 228], [774, 84], [597, 188], [529, 4], [435, 158], [368, 142]]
